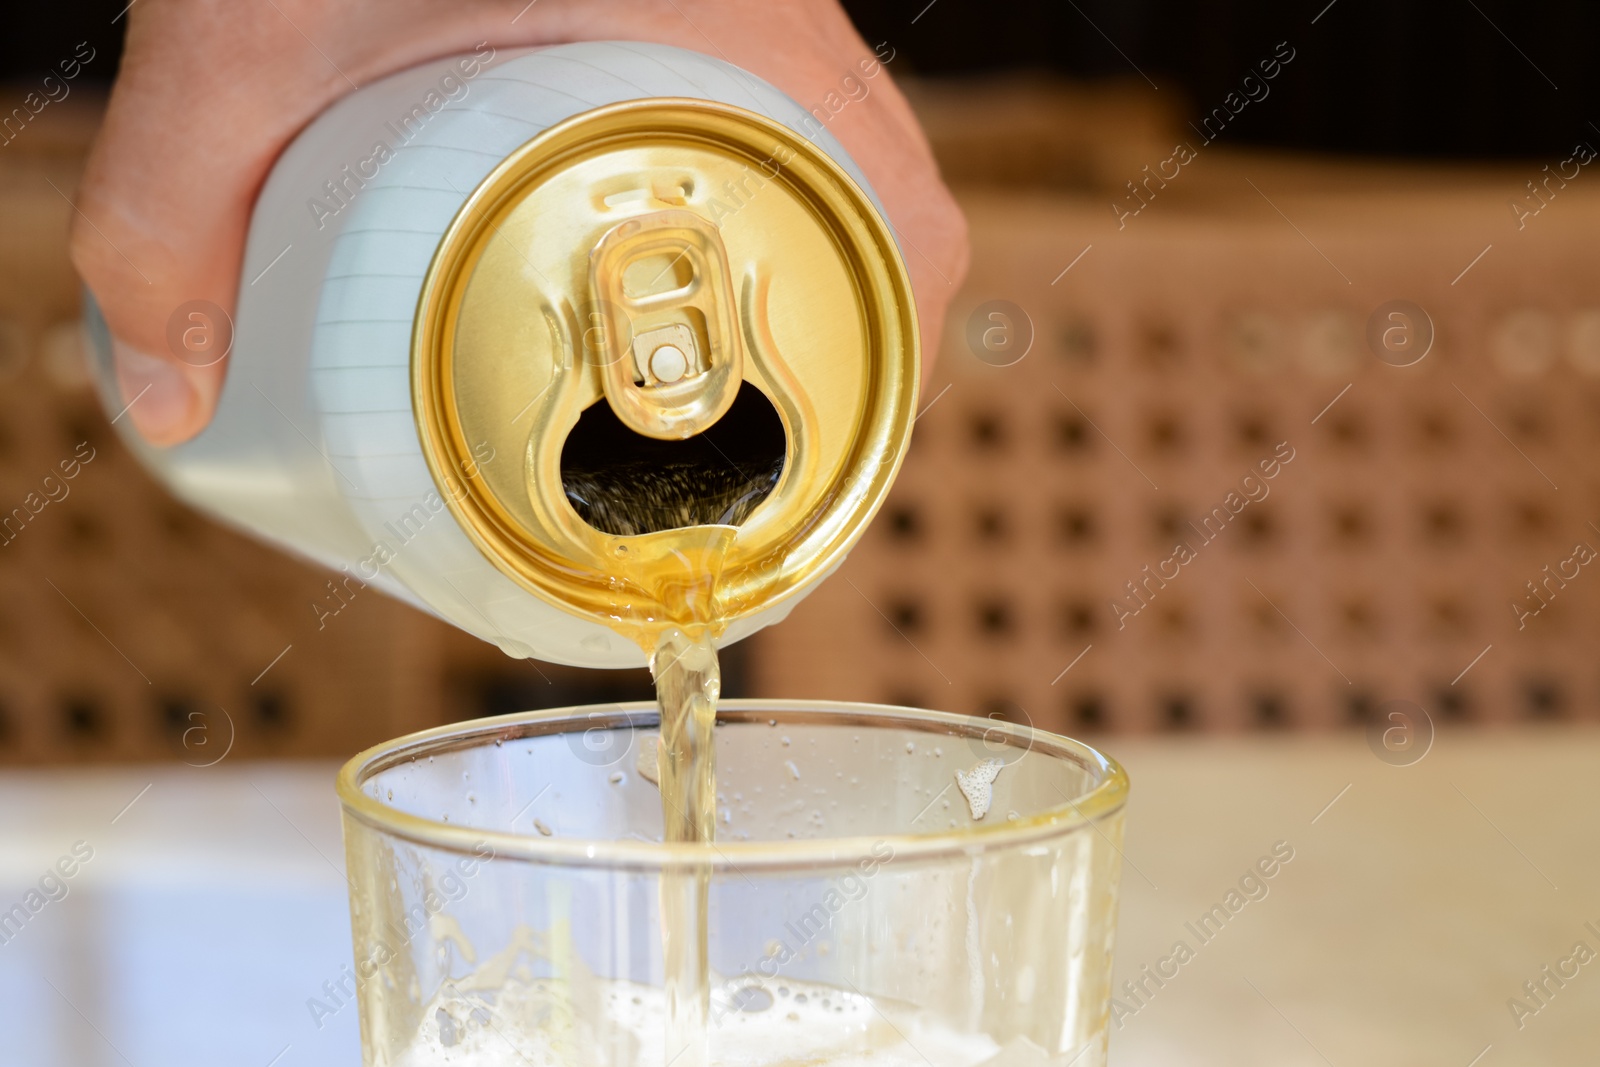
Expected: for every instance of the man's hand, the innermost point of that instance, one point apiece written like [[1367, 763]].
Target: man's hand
[[211, 91]]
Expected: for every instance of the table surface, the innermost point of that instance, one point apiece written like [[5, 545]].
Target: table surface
[[1418, 902]]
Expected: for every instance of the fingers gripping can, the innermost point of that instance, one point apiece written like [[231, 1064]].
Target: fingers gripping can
[[509, 324]]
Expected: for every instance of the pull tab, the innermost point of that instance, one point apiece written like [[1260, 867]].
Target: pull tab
[[671, 356]]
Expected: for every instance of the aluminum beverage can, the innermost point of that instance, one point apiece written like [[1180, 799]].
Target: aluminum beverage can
[[483, 298]]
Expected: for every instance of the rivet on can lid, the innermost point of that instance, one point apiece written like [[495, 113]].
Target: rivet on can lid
[[668, 363]]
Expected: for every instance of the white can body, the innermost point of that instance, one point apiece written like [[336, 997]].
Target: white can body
[[314, 445]]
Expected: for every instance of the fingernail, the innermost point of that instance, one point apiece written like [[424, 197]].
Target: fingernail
[[161, 401]]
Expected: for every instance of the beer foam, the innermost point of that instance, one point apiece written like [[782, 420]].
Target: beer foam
[[977, 785], [607, 1023]]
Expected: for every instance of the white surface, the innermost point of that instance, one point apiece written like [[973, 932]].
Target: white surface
[[1414, 907], [213, 908], [1403, 924]]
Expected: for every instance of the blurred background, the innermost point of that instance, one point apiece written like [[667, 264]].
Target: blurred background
[[1191, 223], [1345, 244]]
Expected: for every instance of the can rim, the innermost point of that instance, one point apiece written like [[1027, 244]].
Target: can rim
[[1107, 797], [844, 506]]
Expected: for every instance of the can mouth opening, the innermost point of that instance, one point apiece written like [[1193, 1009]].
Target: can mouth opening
[[626, 484]]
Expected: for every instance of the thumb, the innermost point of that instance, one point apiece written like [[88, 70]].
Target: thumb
[[164, 286], [167, 354], [161, 256], [164, 206]]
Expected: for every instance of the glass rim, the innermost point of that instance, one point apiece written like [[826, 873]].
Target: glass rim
[[1107, 796]]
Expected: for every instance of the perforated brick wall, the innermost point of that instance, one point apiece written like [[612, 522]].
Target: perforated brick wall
[[1225, 324], [1228, 316]]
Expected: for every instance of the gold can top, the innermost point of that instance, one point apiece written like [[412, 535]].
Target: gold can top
[[679, 303]]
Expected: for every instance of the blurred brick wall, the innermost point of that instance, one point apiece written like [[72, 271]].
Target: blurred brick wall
[[1191, 338], [1173, 356], [132, 627]]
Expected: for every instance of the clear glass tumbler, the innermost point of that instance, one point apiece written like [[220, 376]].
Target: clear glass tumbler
[[509, 888]]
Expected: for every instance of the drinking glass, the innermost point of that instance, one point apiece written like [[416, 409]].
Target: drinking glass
[[863, 903]]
